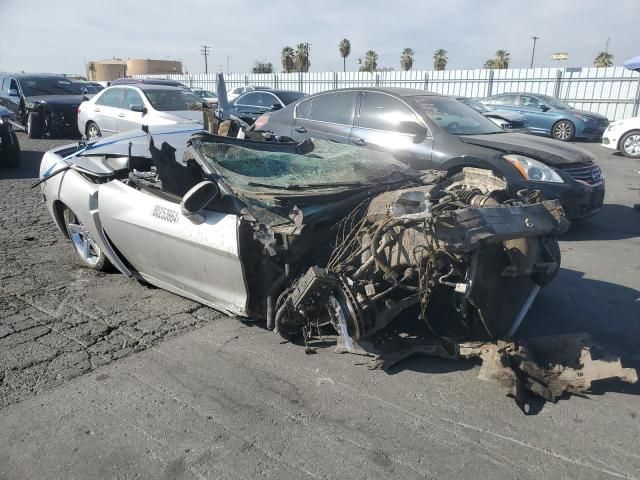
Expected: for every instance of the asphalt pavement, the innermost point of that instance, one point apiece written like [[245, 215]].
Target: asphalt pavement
[[101, 377]]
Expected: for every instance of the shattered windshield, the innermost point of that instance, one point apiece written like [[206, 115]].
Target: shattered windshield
[[34, 86], [329, 166]]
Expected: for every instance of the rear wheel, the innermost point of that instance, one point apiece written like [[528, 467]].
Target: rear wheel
[[11, 149], [93, 131], [563, 131], [630, 144], [86, 248]]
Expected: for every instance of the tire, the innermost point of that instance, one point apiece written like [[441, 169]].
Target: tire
[[92, 130], [11, 150], [34, 125], [88, 251], [629, 144], [563, 130]]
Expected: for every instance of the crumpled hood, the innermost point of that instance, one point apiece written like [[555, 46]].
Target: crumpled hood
[[507, 115], [551, 152], [67, 100]]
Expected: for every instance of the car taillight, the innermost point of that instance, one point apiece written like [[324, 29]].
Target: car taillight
[[261, 121]]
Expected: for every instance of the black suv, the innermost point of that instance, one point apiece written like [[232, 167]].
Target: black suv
[[45, 104], [427, 130]]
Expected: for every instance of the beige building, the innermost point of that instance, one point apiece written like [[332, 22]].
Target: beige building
[[111, 69]]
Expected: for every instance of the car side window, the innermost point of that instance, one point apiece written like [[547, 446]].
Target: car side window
[[268, 99], [131, 97], [530, 102], [111, 98], [250, 99], [334, 107], [383, 112], [507, 100], [303, 109]]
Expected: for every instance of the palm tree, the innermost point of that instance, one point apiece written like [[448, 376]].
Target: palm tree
[[288, 59], [406, 60], [440, 59], [345, 50], [502, 59], [302, 57], [603, 59], [491, 63], [370, 61]]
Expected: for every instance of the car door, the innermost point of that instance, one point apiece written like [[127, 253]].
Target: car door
[[327, 116], [11, 95], [200, 261], [248, 106], [106, 110], [128, 119], [540, 117], [378, 126]]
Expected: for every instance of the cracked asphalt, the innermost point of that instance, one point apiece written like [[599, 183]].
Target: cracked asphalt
[[101, 377]]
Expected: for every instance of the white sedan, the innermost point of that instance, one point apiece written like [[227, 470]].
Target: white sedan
[[624, 136], [121, 108]]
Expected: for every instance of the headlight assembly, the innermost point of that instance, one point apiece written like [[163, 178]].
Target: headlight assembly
[[533, 169]]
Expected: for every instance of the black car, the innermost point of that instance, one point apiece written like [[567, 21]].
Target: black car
[[251, 105], [9, 146], [427, 130], [45, 104]]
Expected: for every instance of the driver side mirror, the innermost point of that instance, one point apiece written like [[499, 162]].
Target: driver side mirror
[[13, 92], [198, 197], [138, 108], [543, 107]]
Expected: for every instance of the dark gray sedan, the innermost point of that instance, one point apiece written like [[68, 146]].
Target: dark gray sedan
[[427, 130]]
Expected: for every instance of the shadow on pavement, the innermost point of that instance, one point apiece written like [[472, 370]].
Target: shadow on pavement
[[29, 166], [613, 222]]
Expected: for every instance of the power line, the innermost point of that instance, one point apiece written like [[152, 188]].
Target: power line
[[204, 51]]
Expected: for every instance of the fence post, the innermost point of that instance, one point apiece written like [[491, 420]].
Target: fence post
[[246, 80], [557, 84], [377, 79], [490, 83], [636, 104], [335, 80], [300, 86], [426, 81]]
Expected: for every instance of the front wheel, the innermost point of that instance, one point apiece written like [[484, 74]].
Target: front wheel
[[35, 125], [86, 248], [563, 131], [630, 144]]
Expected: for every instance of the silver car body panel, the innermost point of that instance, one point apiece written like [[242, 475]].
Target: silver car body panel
[[200, 261]]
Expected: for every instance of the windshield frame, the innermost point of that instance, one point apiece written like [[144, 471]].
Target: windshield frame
[[490, 128]]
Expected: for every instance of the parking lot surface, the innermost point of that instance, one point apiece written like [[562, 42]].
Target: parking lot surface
[[101, 377]]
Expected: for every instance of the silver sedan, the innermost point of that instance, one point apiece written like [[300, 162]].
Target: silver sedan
[[121, 108]]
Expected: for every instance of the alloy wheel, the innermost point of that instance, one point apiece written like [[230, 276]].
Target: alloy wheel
[[632, 145], [562, 131], [93, 131], [85, 246]]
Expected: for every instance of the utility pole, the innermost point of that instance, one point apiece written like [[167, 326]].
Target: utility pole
[[533, 51], [228, 58], [606, 47], [204, 50]]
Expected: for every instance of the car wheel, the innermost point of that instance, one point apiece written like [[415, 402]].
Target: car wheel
[[630, 144], [88, 251], [34, 125], [563, 131], [93, 131], [11, 149]]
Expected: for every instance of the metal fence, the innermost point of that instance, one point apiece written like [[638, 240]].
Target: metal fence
[[614, 91]]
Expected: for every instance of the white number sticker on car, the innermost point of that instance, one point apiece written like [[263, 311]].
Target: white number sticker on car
[[165, 214]]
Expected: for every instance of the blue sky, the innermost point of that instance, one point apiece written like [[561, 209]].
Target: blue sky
[[61, 35]]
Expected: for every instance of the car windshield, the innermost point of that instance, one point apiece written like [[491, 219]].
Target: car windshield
[[329, 166], [206, 94], [289, 97], [454, 117], [34, 86], [552, 102], [170, 100], [475, 104]]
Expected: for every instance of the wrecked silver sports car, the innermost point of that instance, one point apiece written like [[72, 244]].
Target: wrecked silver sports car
[[304, 234]]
